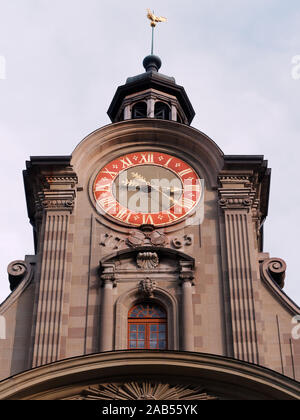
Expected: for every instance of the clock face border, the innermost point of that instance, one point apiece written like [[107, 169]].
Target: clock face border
[[108, 205]]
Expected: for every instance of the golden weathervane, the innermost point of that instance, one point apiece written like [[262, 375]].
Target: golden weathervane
[[154, 20]]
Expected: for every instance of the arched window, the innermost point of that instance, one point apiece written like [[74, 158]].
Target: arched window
[[147, 327], [139, 110], [161, 111]]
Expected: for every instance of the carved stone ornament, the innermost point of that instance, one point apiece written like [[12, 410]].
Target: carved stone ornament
[[147, 260], [274, 269], [180, 242], [186, 271], [56, 200], [16, 272], [111, 241], [143, 391], [107, 274], [155, 238], [236, 192], [235, 202], [66, 179], [147, 287]]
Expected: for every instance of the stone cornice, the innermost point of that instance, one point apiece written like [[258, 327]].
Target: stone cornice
[[50, 185]]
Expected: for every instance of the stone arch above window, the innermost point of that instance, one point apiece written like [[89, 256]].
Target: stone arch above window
[[139, 110]]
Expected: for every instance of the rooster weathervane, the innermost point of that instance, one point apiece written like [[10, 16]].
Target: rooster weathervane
[[154, 20]]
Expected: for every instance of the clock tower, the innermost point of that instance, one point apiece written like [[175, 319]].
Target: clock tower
[[149, 279]]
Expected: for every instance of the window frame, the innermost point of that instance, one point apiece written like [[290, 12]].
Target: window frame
[[148, 322]]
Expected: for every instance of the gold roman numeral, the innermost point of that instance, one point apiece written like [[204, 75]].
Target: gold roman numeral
[[186, 203], [192, 187], [185, 172], [123, 215], [111, 173], [169, 161], [147, 219], [107, 202], [126, 163], [172, 217], [103, 187], [147, 158]]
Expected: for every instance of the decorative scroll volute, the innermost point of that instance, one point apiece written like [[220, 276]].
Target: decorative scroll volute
[[16, 270], [274, 269]]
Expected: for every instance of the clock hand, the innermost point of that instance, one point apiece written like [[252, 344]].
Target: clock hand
[[166, 195], [139, 177]]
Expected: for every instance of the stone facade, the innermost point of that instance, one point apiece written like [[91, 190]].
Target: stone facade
[[222, 294]]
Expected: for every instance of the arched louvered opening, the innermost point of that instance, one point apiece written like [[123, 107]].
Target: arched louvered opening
[[139, 110], [162, 111]]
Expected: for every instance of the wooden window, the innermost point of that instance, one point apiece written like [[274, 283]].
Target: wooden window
[[147, 327]]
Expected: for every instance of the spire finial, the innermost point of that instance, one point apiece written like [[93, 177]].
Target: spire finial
[[154, 21]]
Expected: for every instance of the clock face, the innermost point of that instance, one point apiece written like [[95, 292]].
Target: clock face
[[147, 188]]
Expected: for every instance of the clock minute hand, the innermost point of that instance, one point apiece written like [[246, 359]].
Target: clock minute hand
[[166, 195], [139, 177]]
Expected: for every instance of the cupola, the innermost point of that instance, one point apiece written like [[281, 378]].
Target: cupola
[[151, 95]]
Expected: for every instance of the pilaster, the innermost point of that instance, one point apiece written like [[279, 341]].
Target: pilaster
[[54, 205], [238, 202]]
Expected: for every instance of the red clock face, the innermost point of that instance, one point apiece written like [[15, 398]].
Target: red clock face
[[147, 188]]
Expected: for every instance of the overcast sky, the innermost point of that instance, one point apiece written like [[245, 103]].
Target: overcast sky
[[65, 59]]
